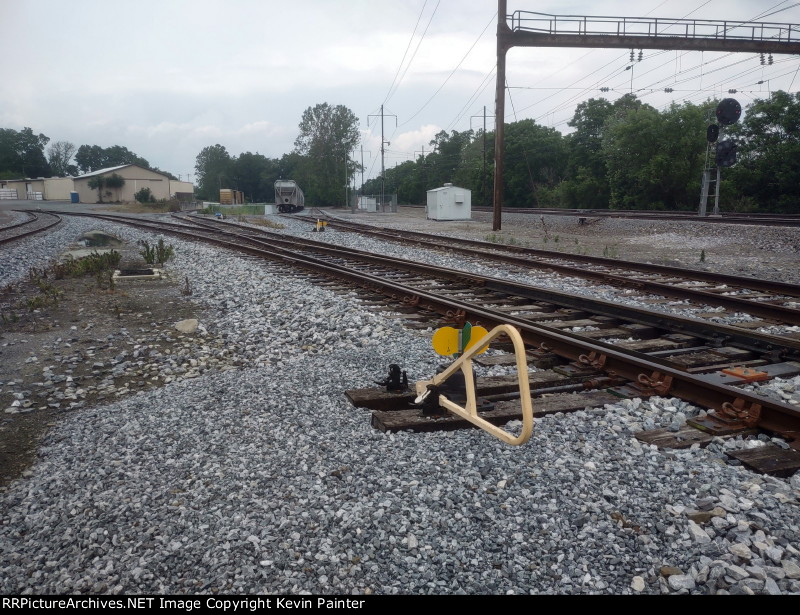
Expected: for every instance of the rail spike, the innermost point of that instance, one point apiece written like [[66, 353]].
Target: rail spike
[[457, 318], [657, 383], [595, 359], [740, 412]]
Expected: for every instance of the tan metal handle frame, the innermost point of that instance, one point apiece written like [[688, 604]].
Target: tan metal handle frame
[[470, 412]]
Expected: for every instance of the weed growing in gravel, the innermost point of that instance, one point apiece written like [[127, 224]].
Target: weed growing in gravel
[[11, 318], [148, 252], [163, 251], [610, 252], [702, 256], [159, 253], [93, 264]]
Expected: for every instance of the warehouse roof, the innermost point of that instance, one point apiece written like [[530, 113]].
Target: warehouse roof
[[101, 171], [117, 168]]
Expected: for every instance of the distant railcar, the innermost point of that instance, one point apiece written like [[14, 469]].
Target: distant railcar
[[288, 196]]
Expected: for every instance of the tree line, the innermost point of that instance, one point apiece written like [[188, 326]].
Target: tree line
[[26, 154], [624, 154], [320, 162]]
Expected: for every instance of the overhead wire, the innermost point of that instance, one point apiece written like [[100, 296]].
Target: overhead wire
[[413, 55], [453, 72], [475, 95], [410, 40], [562, 104]]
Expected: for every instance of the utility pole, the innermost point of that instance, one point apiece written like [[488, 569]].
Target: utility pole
[[362, 168], [424, 175], [485, 189], [503, 32], [383, 142]]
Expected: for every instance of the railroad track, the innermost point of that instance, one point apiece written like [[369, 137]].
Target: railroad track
[[724, 218], [776, 302], [701, 365], [38, 222]]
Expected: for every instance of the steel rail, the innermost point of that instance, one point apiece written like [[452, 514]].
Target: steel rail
[[763, 309], [32, 218], [713, 333], [703, 389], [31, 232], [756, 220], [771, 286]]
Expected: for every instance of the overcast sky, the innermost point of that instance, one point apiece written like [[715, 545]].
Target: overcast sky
[[166, 78]]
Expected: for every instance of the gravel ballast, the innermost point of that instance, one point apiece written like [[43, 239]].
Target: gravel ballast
[[264, 479]]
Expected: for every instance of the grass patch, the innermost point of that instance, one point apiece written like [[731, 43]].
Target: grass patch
[[267, 223], [238, 210], [147, 208]]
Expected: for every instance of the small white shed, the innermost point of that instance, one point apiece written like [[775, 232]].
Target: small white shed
[[449, 203], [368, 203]]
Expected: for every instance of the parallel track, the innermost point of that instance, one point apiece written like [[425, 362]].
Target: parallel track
[[724, 218], [768, 299], [657, 372], [39, 222]]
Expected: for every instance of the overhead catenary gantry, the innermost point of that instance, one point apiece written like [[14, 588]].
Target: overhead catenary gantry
[[530, 29]]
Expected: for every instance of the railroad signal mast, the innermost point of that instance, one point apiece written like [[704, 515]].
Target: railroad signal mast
[[529, 29], [728, 113]]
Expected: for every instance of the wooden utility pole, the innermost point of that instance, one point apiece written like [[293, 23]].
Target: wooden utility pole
[[500, 112]]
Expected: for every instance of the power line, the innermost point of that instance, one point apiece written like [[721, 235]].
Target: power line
[[478, 91], [406, 52], [413, 55], [453, 72]]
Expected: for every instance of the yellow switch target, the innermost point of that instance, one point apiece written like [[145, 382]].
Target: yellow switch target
[[445, 340]]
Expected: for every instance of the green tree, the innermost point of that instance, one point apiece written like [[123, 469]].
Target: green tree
[[22, 153], [586, 185], [213, 166], [768, 141], [327, 136], [98, 182], [93, 157], [446, 159], [144, 195], [101, 182], [90, 158], [251, 174], [115, 182], [654, 159], [535, 162], [59, 156]]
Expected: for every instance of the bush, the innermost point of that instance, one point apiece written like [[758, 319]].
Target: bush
[[145, 195]]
